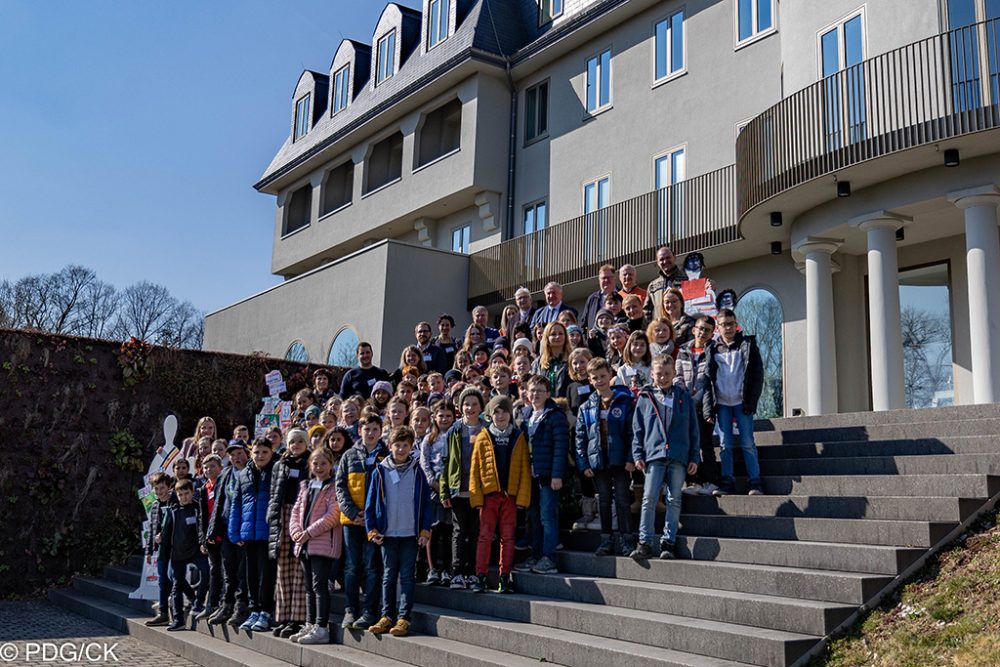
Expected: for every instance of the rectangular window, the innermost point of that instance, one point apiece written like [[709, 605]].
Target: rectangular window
[[599, 81], [754, 17], [596, 196], [341, 90], [842, 50], [302, 117], [975, 51], [536, 111], [669, 170], [384, 164], [437, 22], [548, 10], [535, 220], [460, 239], [385, 65], [669, 45], [338, 188]]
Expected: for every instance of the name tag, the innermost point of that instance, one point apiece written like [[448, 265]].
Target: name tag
[[316, 484], [604, 414], [293, 472], [629, 371], [211, 494], [191, 520], [394, 476], [449, 349], [583, 390], [427, 357], [371, 383]]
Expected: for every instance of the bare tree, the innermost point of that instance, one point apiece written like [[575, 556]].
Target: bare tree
[[759, 314], [144, 311], [185, 327], [66, 291], [98, 310], [926, 354]]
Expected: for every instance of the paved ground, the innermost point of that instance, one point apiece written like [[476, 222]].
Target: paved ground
[[46, 630]]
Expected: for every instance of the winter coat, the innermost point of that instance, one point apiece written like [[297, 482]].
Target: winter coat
[[693, 376], [225, 489], [550, 443], [248, 515], [167, 531], [653, 306], [558, 377], [376, 516], [753, 378], [289, 472], [432, 456], [352, 479], [322, 522], [589, 453], [451, 480], [484, 478], [681, 439]]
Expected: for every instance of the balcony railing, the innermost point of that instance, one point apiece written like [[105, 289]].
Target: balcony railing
[[695, 214], [941, 87]]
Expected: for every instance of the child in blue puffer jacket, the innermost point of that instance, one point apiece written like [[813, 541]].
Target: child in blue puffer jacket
[[248, 528]]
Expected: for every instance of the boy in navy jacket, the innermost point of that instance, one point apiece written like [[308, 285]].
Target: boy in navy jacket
[[163, 486], [665, 446], [183, 539]]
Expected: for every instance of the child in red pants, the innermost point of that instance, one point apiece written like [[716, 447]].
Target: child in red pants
[[499, 484]]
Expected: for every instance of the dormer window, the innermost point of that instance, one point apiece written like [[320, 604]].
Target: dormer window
[[302, 117], [341, 90], [437, 22], [548, 10], [386, 64]]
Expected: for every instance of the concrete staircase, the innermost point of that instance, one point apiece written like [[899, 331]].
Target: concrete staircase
[[856, 503]]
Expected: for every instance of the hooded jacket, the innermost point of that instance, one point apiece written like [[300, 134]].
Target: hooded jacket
[[289, 472], [248, 515], [352, 479], [321, 521], [692, 374], [589, 454], [753, 365], [484, 477], [678, 440], [550, 442]]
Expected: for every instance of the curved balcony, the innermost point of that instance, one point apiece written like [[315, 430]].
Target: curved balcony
[[937, 89]]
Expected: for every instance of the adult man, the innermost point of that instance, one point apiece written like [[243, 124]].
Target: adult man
[[361, 379], [605, 286], [626, 275], [553, 305], [670, 276], [525, 310], [480, 317], [433, 355]]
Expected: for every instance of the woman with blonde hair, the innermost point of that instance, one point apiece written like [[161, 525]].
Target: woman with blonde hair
[[409, 357], [204, 429], [553, 361], [673, 308], [474, 336], [508, 320]]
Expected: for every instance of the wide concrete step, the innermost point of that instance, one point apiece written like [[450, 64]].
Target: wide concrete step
[[871, 559], [913, 446], [757, 645], [124, 575], [902, 508], [538, 643], [794, 582], [851, 531], [111, 591], [913, 485], [867, 419], [947, 464], [888, 431]]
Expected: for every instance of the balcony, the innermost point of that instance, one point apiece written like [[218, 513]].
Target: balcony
[[693, 215], [939, 89]]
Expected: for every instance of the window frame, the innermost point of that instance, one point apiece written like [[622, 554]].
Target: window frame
[[539, 136], [533, 206], [839, 26], [668, 154], [598, 56], [668, 19], [466, 238], [305, 350], [755, 35], [390, 54], [596, 181], [547, 13], [346, 71], [444, 5], [307, 119]]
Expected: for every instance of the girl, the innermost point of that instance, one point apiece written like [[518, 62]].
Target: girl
[[409, 358], [522, 348], [567, 318], [481, 357], [381, 393], [349, 415], [289, 472], [617, 338], [661, 337], [304, 399], [552, 363], [521, 368], [420, 422], [673, 306], [327, 420], [444, 340], [337, 441], [575, 334], [474, 336], [577, 393], [634, 373], [204, 429], [454, 488], [432, 454], [463, 360], [315, 530], [396, 414], [597, 339], [273, 434], [334, 406]]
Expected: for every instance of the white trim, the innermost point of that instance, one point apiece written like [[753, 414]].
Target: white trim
[[300, 229], [670, 76], [583, 192], [534, 205], [611, 80], [754, 36], [548, 89], [838, 25], [333, 97], [335, 211], [666, 154]]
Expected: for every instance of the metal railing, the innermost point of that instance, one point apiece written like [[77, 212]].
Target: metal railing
[[938, 88], [692, 215]]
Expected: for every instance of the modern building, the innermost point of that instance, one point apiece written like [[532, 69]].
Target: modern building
[[835, 162]]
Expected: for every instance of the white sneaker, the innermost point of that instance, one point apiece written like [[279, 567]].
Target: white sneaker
[[457, 582], [306, 629], [317, 635], [708, 489], [694, 490]]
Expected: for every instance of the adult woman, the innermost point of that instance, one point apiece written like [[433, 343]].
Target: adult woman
[[673, 306], [444, 340], [553, 362], [474, 336], [509, 320], [409, 357], [204, 429]]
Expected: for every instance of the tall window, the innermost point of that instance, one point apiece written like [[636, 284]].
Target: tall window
[[753, 17], [437, 22], [298, 210], [441, 133], [341, 89], [536, 111], [669, 170], [968, 57], [549, 9], [842, 48], [385, 65], [669, 45], [343, 350], [759, 314], [297, 352], [384, 163], [302, 117], [599, 81], [535, 220], [925, 320], [596, 196], [460, 239]]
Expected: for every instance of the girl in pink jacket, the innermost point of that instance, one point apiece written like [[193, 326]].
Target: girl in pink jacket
[[315, 529]]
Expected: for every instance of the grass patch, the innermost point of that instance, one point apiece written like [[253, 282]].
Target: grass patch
[[946, 614]]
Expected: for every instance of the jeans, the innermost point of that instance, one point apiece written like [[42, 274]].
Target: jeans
[[708, 469], [183, 589], [464, 533], [499, 514], [234, 564], [317, 575], [360, 555], [214, 575], [671, 472], [726, 414], [261, 574], [165, 583], [618, 478], [400, 557], [543, 515]]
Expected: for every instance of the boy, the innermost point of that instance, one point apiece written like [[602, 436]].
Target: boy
[[234, 563], [241, 433], [737, 375], [183, 539], [163, 487], [182, 470], [548, 434], [352, 480], [603, 452], [398, 517], [692, 374], [664, 447], [212, 467], [500, 376], [499, 484], [613, 304]]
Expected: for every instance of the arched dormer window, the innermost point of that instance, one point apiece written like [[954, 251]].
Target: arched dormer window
[[396, 36], [349, 73], [308, 102], [438, 21]]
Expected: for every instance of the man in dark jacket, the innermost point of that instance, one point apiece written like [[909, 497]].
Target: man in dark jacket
[[360, 380], [434, 356], [692, 373], [670, 276], [595, 302], [234, 565], [737, 375]]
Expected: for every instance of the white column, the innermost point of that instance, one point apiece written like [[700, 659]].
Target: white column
[[821, 351], [888, 392], [982, 243]]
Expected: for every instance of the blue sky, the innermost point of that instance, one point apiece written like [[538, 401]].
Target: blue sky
[[131, 134]]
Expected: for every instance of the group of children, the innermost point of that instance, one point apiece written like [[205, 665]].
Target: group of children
[[427, 468]]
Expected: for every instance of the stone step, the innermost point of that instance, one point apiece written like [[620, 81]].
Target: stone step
[[870, 559], [112, 591], [914, 446], [887, 431], [902, 508], [793, 582], [538, 643], [123, 575], [984, 464], [698, 635], [868, 418], [914, 485]]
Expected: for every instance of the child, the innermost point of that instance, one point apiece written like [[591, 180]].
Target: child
[[163, 487], [234, 605], [435, 383], [316, 435], [634, 372], [420, 422], [500, 376], [603, 453], [613, 304], [432, 455], [398, 516], [597, 337], [396, 414], [212, 465], [248, 528], [455, 486], [500, 484], [632, 305], [577, 393], [692, 373], [521, 370], [406, 389], [617, 340], [664, 413], [327, 419], [219, 449], [362, 556], [548, 434], [182, 470], [312, 417], [183, 539], [349, 416], [316, 532], [289, 472], [661, 337], [274, 436], [381, 393], [241, 433]]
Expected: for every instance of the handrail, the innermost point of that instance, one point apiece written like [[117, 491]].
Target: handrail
[[938, 88], [692, 215]]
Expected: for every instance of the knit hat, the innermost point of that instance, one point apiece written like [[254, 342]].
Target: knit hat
[[453, 374], [318, 428], [499, 403], [384, 386], [604, 311], [574, 328], [471, 391], [481, 348], [522, 342], [313, 411]]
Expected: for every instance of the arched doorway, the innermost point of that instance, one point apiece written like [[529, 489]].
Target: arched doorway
[[297, 352], [759, 314], [343, 350]]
